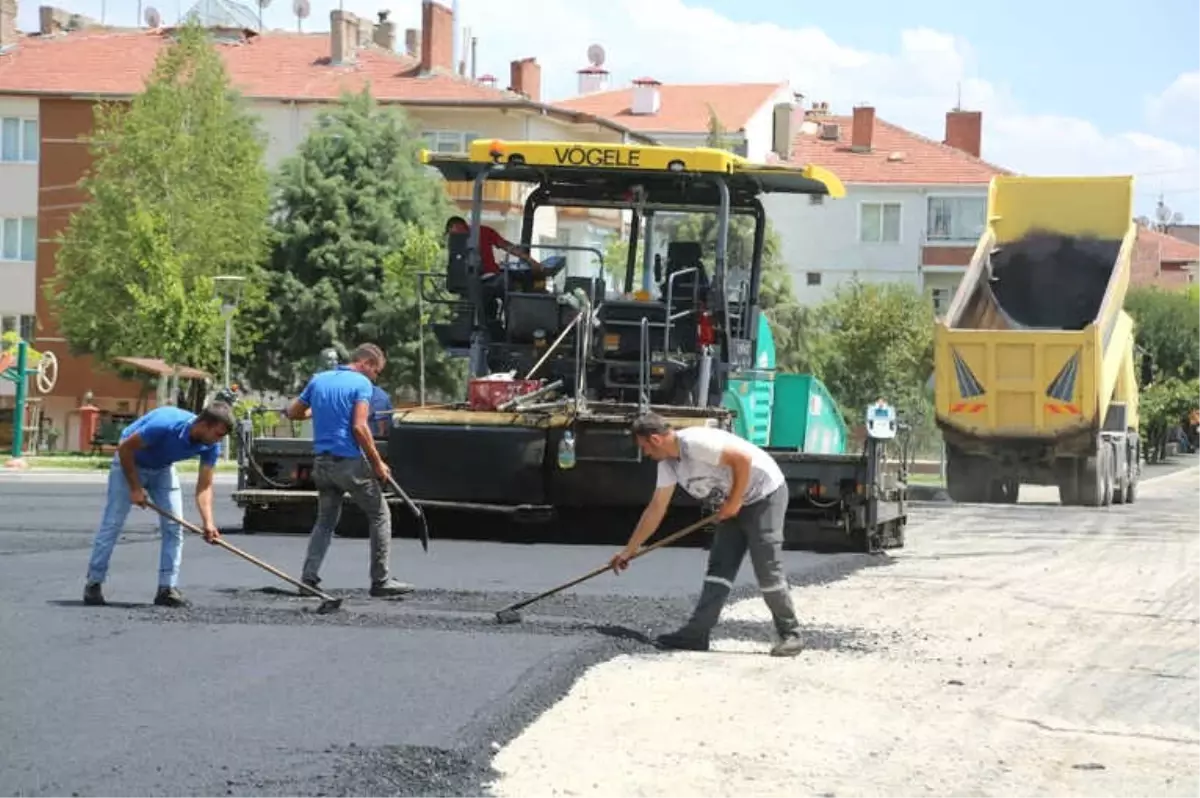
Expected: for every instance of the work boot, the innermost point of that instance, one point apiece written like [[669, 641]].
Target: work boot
[[93, 596], [169, 597], [683, 640], [789, 646], [390, 589], [311, 582]]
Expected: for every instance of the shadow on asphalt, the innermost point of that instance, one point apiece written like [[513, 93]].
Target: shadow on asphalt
[[117, 605]]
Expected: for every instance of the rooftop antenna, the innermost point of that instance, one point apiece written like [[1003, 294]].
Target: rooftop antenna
[[152, 18], [301, 9], [595, 55], [262, 4]]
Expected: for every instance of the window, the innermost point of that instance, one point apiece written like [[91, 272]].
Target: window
[[18, 239], [21, 325], [18, 139], [941, 301], [879, 223], [812, 278], [449, 142], [956, 218]]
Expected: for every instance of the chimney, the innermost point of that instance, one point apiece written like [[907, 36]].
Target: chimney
[[862, 131], [437, 37], [785, 127], [488, 80], [8, 23], [592, 79], [364, 32], [646, 97], [385, 32], [343, 36], [526, 78], [412, 42], [964, 130]]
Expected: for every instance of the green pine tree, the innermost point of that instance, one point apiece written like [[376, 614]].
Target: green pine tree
[[356, 217]]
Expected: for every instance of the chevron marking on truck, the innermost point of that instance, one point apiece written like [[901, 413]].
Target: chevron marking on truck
[[1062, 387], [968, 384], [968, 407], [1058, 410]]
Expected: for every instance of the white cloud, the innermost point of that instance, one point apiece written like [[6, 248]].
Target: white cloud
[[912, 85]]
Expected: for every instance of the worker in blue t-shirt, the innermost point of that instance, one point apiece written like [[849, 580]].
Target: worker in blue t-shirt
[[381, 403], [339, 402], [144, 465]]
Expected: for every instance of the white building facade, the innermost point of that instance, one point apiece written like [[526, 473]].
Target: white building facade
[[880, 233]]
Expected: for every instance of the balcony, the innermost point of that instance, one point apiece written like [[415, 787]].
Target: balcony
[[496, 193]]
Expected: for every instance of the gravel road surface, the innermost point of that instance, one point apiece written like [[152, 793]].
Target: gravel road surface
[[1018, 650]]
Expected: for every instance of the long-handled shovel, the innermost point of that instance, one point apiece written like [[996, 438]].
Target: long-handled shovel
[[412, 506], [509, 614], [328, 602]]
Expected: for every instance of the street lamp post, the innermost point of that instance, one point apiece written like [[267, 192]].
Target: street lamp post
[[229, 290]]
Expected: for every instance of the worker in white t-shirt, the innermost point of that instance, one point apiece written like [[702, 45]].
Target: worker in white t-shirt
[[720, 469]]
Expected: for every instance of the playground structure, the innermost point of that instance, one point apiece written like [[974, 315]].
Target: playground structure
[[18, 362]]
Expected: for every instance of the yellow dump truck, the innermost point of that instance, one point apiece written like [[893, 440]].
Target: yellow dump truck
[[1034, 367]]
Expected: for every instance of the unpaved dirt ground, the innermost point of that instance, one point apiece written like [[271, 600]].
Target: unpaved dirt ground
[[1016, 650]]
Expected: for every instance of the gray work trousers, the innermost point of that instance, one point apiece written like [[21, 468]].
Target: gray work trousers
[[759, 529], [334, 477]]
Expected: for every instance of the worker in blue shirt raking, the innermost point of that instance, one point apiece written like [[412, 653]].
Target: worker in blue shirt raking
[[144, 468], [347, 462]]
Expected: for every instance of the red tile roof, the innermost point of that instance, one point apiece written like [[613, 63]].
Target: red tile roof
[[274, 65], [683, 108], [1170, 248], [919, 160]]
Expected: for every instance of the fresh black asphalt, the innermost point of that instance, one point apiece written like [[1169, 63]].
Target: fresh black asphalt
[[249, 692]]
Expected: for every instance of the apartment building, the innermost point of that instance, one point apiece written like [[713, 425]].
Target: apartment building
[[913, 212], [51, 79]]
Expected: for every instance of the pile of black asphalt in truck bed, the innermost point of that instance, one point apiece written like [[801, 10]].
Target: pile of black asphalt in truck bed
[[1053, 281]]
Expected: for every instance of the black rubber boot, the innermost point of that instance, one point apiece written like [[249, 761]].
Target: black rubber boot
[[93, 596], [169, 597], [683, 640]]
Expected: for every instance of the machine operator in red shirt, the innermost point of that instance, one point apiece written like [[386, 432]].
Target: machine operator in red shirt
[[489, 242]]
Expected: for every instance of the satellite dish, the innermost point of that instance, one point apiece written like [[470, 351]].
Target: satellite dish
[[595, 55], [152, 17], [301, 9]]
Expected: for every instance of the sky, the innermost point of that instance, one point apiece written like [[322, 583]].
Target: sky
[[1065, 86]]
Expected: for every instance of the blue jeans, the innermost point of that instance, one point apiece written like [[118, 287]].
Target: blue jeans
[[162, 486]]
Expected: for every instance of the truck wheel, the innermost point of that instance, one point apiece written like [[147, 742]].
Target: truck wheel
[[1119, 481], [1091, 481], [1135, 469], [1106, 473], [962, 482], [1067, 476]]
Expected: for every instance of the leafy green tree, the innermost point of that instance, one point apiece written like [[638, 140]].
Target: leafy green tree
[[1162, 406], [873, 340], [1168, 328], [355, 217], [177, 194]]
